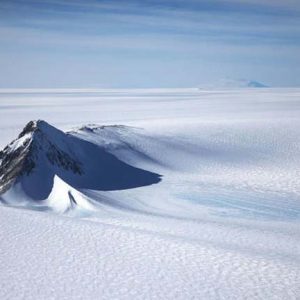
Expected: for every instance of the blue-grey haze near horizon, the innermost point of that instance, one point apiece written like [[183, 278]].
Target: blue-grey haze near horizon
[[170, 43]]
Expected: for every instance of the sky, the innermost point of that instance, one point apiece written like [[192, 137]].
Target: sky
[[148, 43]]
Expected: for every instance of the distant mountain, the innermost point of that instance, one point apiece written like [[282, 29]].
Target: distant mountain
[[232, 84], [254, 84]]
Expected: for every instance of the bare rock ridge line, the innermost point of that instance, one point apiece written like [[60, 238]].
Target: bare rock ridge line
[[42, 152]]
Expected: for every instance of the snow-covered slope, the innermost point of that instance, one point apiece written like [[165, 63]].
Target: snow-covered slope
[[220, 221]]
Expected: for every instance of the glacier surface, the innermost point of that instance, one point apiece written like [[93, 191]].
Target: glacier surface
[[220, 220]]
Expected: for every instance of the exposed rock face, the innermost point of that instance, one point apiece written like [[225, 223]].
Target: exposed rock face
[[37, 141]]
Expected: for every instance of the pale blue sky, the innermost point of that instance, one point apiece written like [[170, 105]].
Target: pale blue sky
[[170, 43]]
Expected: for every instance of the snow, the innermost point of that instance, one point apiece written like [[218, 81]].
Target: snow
[[223, 222], [64, 198]]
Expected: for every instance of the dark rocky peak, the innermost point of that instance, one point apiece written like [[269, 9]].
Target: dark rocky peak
[[41, 128], [31, 127], [38, 145]]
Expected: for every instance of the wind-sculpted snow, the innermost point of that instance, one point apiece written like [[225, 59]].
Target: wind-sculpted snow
[[196, 195]]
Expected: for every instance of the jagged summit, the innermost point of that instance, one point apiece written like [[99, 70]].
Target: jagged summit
[[39, 143], [37, 125]]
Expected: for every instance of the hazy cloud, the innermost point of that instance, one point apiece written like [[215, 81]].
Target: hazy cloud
[[234, 38]]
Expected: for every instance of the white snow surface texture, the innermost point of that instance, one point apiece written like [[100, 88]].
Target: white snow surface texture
[[223, 222]]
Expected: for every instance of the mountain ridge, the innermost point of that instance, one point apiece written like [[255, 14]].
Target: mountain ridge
[[21, 156], [43, 157]]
